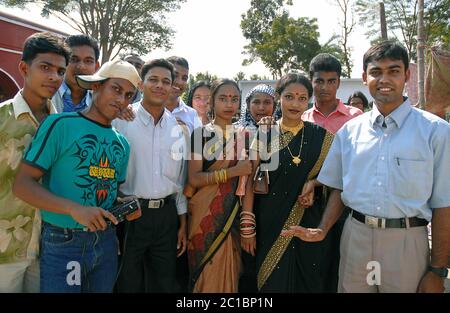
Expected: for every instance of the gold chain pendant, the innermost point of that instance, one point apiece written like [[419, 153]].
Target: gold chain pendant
[[296, 160]]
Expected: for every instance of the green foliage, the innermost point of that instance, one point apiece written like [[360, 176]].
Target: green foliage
[[333, 47], [258, 77], [206, 76], [116, 24], [402, 19], [281, 42], [239, 76]]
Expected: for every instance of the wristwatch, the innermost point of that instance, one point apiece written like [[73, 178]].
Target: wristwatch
[[440, 271]]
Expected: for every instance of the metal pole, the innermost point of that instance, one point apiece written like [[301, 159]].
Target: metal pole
[[421, 57], [383, 22]]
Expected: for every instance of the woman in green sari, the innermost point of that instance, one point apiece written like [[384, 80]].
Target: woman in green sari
[[214, 169], [285, 263]]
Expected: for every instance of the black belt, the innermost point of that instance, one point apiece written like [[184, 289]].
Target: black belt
[[154, 203], [378, 222]]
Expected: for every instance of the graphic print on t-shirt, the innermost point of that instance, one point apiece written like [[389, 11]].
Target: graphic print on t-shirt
[[96, 168]]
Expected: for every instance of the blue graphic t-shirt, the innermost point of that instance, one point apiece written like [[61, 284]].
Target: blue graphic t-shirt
[[83, 161]]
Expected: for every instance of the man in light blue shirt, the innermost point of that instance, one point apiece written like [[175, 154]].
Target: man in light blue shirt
[[392, 167], [70, 97]]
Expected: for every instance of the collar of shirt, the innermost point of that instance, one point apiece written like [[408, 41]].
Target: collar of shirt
[[66, 95], [340, 108], [21, 107], [63, 89], [181, 106], [398, 116], [146, 118]]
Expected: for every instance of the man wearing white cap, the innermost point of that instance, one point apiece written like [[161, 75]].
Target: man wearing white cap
[[82, 161]]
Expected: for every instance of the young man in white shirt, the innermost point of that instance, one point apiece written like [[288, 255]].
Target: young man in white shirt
[[156, 175], [184, 114]]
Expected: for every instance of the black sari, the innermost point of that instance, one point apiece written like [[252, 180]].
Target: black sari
[[287, 264]]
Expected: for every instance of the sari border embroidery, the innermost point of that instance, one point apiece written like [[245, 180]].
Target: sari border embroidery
[[327, 141], [279, 247], [220, 237]]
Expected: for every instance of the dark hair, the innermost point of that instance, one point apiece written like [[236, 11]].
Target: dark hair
[[84, 40], [293, 78], [179, 61], [324, 62], [359, 94], [44, 43], [157, 63], [201, 83], [388, 49], [131, 54], [215, 86]]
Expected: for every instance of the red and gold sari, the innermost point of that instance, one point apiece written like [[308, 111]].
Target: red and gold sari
[[213, 232]]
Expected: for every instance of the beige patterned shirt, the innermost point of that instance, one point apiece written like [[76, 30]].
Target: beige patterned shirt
[[20, 223]]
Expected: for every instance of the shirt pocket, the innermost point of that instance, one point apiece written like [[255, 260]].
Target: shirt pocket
[[172, 159], [410, 179]]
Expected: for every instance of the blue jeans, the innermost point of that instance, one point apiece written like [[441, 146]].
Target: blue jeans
[[78, 261]]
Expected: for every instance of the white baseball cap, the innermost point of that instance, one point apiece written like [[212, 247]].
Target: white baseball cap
[[111, 69]]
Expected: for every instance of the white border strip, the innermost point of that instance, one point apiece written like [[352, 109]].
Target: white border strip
[[22, 24], [12, 51]]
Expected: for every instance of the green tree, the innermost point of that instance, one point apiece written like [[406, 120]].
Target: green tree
[[281, 42], [239, 76], [286, 45], [401, 20], [258, 19], [258, 77], [206, 76], [334, 47], [116, 24]]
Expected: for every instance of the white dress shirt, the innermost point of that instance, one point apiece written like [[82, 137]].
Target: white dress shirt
[[156, 167], [187, 115]]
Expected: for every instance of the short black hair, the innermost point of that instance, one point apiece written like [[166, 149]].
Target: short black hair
[[293, 78], [44, 42], [179, 61], [157, 63], [131, 54], [388, 49], [84, 40], [200, 83], [360, 95], [324, 62]]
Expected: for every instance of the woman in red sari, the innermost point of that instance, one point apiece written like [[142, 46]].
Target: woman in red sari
[[214, 170]]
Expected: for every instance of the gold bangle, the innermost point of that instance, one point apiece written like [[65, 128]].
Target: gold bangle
[[247, 213], [225, 174], [216, 176]]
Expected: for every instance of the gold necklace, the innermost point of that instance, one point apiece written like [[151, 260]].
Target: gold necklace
[[296, 158], [293, 129]]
